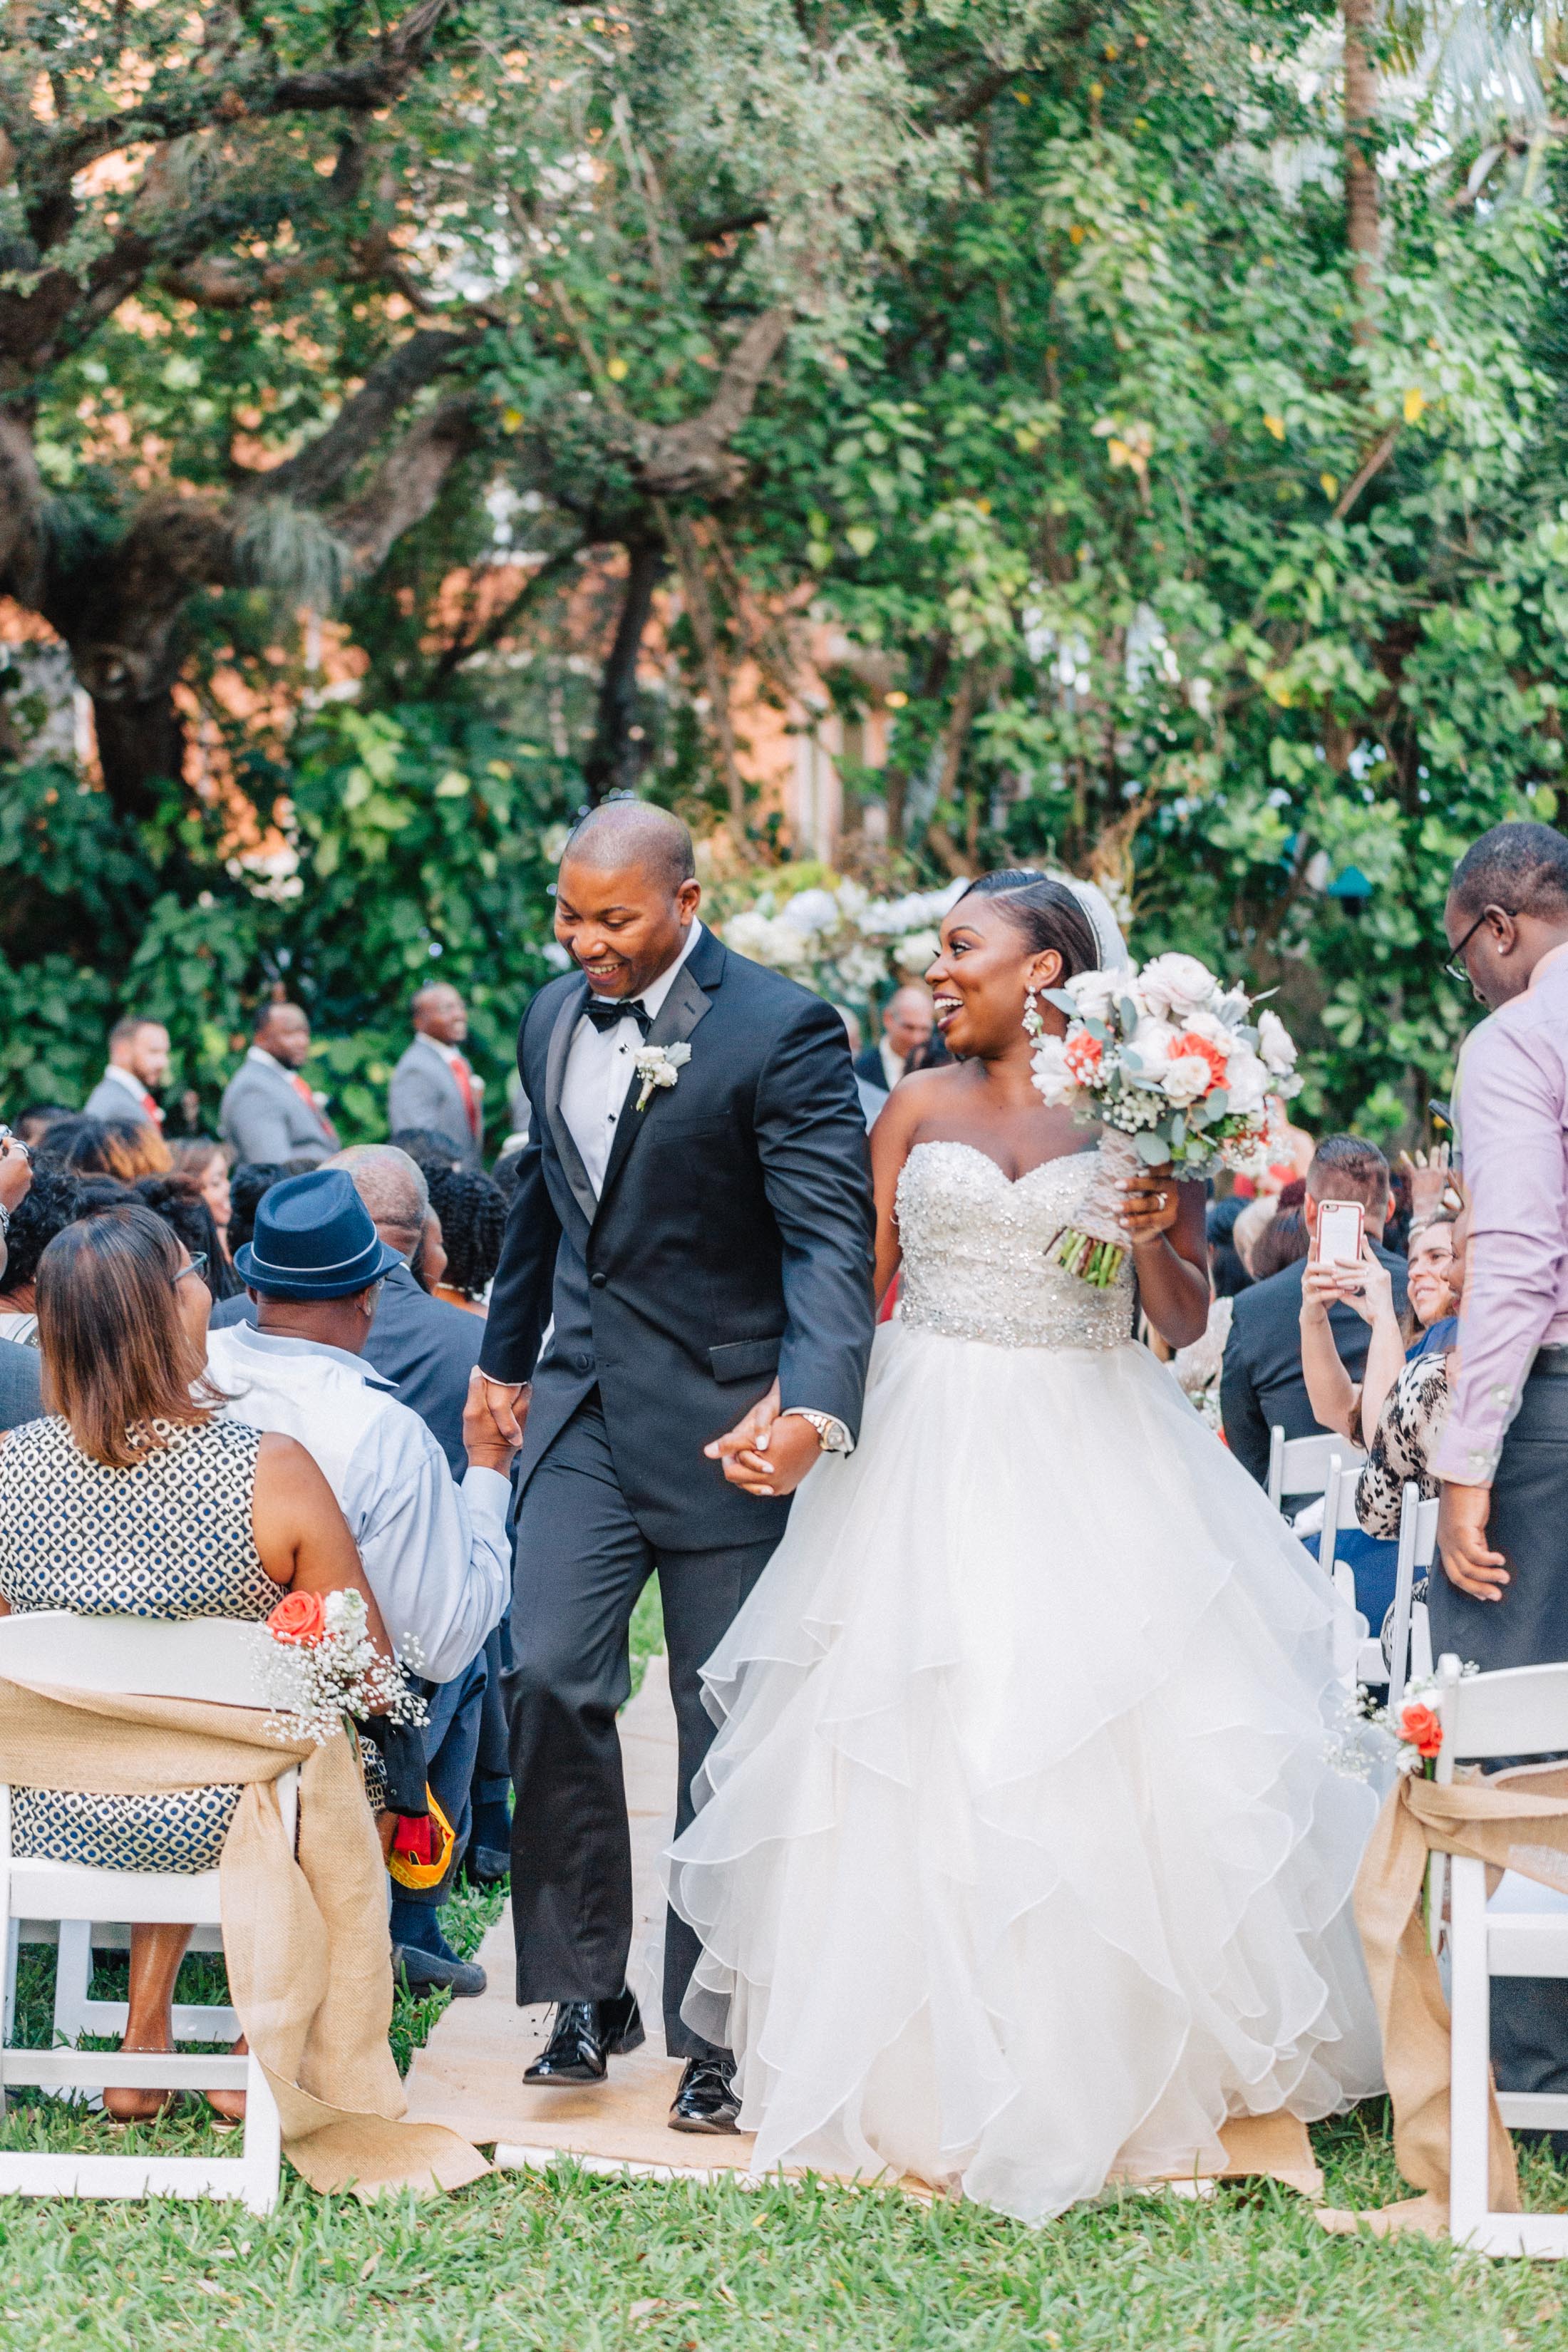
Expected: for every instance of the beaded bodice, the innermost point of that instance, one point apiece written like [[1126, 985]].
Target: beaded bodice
[[977, 1246]]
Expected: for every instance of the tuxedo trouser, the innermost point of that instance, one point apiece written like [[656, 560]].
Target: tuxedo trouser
[[1527, 1627], [581, 1560]]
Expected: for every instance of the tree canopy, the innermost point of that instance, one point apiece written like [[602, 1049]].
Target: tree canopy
[[1165, 407]]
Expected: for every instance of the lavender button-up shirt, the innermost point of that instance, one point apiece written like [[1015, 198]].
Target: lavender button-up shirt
[[1512, 1117]]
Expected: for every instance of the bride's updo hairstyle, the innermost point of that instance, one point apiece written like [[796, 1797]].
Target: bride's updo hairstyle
[[1046, 913]]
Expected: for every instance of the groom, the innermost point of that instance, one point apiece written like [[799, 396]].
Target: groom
[[691, 1238]]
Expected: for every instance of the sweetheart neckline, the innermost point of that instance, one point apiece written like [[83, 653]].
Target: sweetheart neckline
[[956, 1143]]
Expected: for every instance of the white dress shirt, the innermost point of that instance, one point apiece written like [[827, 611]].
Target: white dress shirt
[[893, 1064], [599, 1070], [436, 1557]]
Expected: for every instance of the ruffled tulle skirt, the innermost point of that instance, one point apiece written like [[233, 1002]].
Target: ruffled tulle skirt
[[1024, 1858]]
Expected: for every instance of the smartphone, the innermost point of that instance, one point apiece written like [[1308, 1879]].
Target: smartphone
[[1341, 1227]]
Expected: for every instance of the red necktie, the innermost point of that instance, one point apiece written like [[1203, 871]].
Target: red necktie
[[151, 1109], [459, 1070], [304, 1091]]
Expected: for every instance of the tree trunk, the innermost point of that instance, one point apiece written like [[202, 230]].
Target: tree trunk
[[141, 749], [1363, 212], [614, 759]]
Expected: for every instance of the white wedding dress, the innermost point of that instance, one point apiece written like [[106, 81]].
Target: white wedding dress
[[1022, 1860]]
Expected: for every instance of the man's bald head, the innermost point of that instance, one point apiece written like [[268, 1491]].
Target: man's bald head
[[633, 834], [625, 895], [392, 1187]]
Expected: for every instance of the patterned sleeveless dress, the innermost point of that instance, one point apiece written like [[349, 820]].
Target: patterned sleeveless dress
[[168, 1538]]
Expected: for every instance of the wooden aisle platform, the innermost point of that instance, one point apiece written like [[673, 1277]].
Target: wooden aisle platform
[[469, 2073]]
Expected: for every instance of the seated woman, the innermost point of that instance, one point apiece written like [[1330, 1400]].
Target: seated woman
[[1411, 1419], [130, 1498]]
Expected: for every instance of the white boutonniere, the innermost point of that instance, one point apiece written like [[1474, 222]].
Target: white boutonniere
[[658, 1066]]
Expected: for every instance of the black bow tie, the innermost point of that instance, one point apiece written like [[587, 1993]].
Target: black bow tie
[[606, 1014]]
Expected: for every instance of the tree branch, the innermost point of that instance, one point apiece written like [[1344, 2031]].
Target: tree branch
[[1372, 465], [462, 649], [192, 101], [406, 486], [695, 455], [325, 463]]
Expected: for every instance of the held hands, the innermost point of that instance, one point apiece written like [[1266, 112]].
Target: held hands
[[1467, 1559], [495, 1414], [1148, 1205], [763, 1453]]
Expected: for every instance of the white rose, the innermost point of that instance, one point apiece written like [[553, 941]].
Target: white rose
[[1187, 1079], [1053, 1080], [1098, 993], [1246, 1083], [1177, 986], [1208, 1026], [1151, 1042], [1276, 1043]]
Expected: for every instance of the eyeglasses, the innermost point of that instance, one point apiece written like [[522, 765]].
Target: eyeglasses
[[1455, 966], [197, 1265]]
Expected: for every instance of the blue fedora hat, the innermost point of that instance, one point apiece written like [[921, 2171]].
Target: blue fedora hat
[[313, 1239]]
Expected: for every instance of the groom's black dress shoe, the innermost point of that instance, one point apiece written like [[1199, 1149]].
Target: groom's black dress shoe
[[706, 2101], [587, 2034]]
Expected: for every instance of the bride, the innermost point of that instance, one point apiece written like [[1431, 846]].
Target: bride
[[1022, 1861]]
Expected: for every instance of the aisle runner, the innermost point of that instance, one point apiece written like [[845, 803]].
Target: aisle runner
[[469, 2073]]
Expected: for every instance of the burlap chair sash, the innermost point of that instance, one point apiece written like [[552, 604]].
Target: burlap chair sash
[[304, 1929], [1512, 1820]]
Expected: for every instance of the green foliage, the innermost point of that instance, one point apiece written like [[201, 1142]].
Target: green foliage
[[1157, 563]]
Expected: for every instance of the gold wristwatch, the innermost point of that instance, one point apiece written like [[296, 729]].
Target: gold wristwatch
[[832, 1435]]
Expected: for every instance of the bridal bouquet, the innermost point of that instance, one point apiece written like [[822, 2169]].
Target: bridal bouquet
[[1177, 1071], [328, 1666]]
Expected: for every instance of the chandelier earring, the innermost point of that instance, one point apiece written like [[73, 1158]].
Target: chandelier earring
[[1033, 1025]]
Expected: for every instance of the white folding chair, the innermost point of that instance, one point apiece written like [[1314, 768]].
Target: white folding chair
[[1411, 1643], [1522, 1711], [209, 1659], [1300, 1465]]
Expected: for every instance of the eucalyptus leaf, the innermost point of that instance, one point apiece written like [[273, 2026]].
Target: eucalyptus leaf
[[1153, 1149], [1060, 999]]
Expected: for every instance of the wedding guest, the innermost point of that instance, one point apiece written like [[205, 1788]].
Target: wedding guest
[[425, 1147], [1283, 1240], [18, 1366], [504, 1174], [1434, 1266], [247, 1186], [184, 1212], [907, 1022], [1198, 1366], [121, 1148], [1502, 1458], [31, 1125], [1403, 1438], [133, 1497], [434, 1087], [429, 1263], [207, 1165], [1256, 1215], [471, 1211], [268, 1110], [436, 1557], [1263, 1386], [138, 1067], [52, 1201]]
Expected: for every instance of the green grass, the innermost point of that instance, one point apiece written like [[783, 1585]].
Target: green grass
[[563, 2262]]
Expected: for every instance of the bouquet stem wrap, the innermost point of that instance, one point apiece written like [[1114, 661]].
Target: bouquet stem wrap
[[1095, 1246]]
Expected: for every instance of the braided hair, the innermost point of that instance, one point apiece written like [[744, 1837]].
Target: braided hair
[[472, 1210]]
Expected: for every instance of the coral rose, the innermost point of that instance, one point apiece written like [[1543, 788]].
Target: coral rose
[[1203, 1049], [300, 1617], [1083, 1056], [1421, 1729]]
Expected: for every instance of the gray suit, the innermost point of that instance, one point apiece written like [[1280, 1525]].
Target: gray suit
[[110, 1100], [19, 1371], [424, 1093], [267, 1119]]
